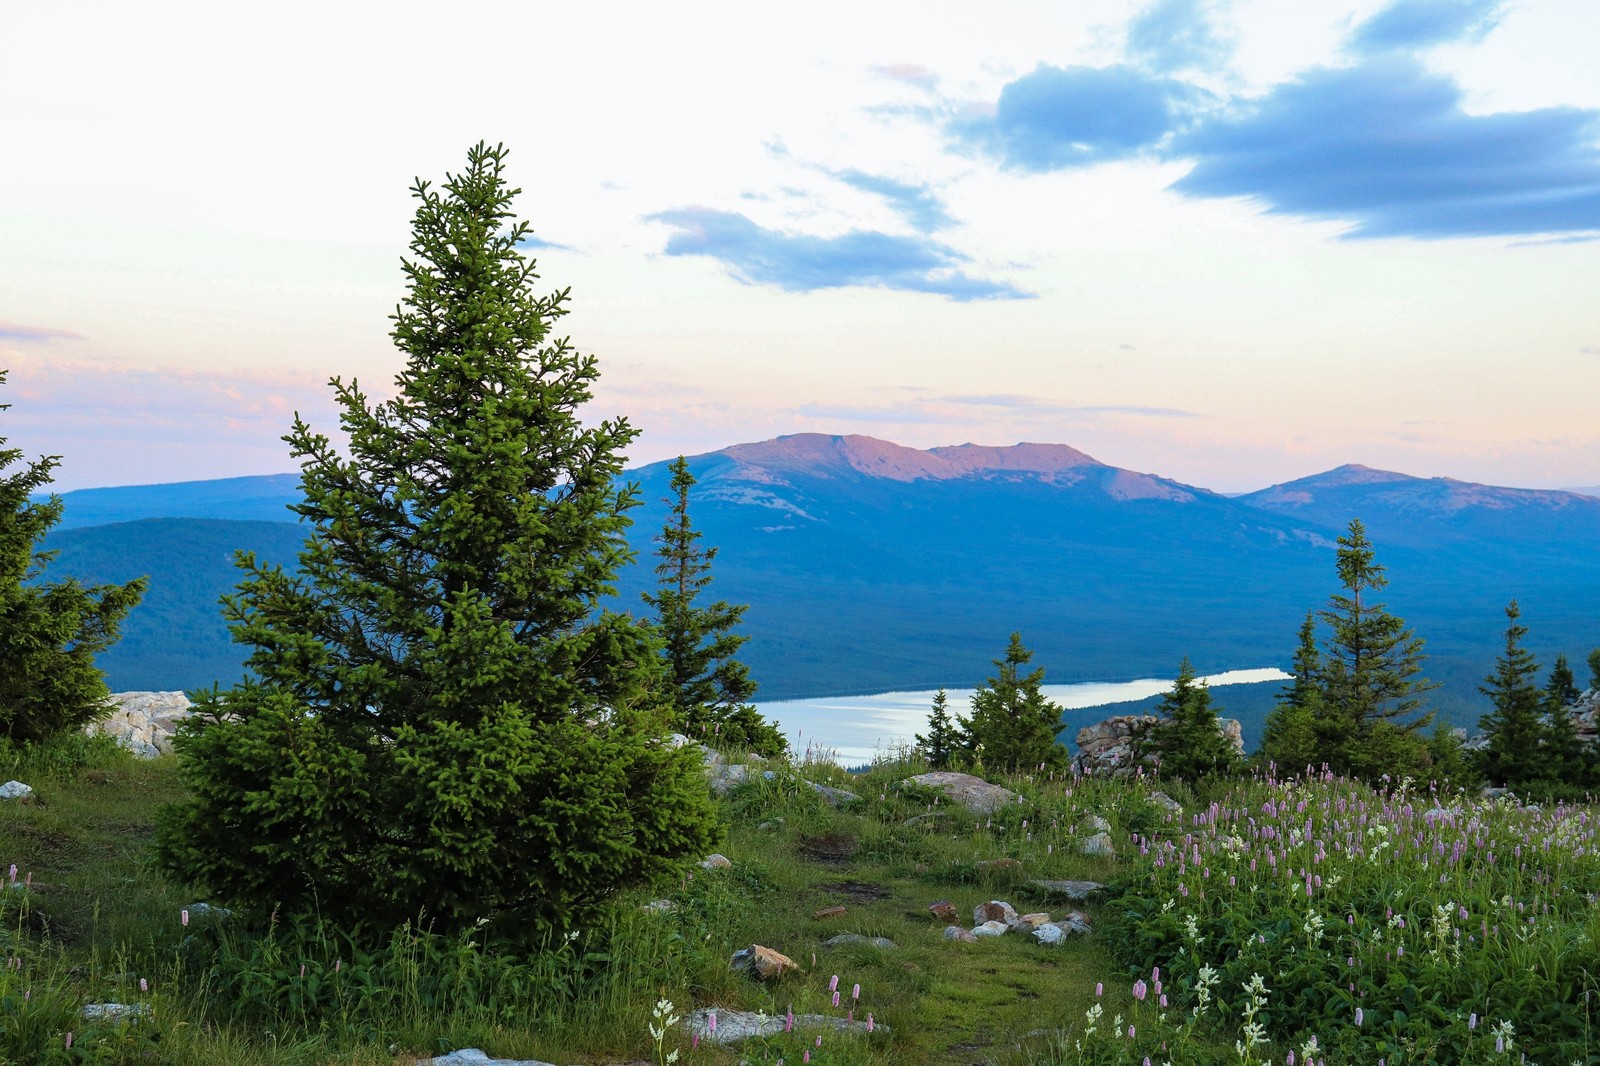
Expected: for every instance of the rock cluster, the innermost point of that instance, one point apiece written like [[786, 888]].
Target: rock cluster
[[997, 918], [1123, 744]]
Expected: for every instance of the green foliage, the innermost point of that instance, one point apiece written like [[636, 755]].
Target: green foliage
[[1515, 756], [1290, 738], [1191, 744], [1370, 675], [1013, 727], [943, 742], [710, 688], [1448, 764], [1594, 669], [442, 722], [1562, 688], [49, 632]]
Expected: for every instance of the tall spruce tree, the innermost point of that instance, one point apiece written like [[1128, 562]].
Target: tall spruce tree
[[50, 632], [710, 688], [944, 740], [1567, 762], [1190, 740], [1290, 738], [1594, 669], [1562, 687], [1371, 681], [441, 720], [1013, 726], [1515, 756]]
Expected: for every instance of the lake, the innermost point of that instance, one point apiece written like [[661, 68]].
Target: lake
[[855, 728]]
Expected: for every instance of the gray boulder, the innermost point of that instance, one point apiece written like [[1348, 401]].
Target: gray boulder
[[973, 793]]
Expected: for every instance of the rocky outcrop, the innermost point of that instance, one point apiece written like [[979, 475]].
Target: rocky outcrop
[[973, 793], [762, 963], [143, 722], [1123, 744]]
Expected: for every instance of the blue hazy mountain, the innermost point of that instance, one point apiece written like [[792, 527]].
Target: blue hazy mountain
[[869, 567], [261, 499]]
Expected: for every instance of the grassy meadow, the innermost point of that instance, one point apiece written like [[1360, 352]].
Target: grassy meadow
[[1314, 920]]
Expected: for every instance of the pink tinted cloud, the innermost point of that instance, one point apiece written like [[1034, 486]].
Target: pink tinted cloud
[[114, 424], [16, 331]]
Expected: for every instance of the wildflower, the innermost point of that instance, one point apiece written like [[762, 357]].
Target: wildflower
[[1472, 1020], [144, 985], [711, 1022], [69, 1041], [1360, 1017], [869, 1021], [855, 992], [833, 984], [1140, 990], [836, 999], [184, 917], [788, 1019], [1099, 989]]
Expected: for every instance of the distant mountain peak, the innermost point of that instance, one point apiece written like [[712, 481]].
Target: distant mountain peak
[[821, 453]]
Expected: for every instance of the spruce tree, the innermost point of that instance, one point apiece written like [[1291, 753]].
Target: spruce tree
[[1566, 763], [710, 688], [1290, 737], [1013, 727], [441, 720], [1594, 669], [1189, 740], [1514, 757], [1371, 679], [944, 739], [50, 632], [1562, 687]]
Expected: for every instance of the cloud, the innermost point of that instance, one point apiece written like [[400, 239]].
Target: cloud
[[530, 241], [1386, 145], [1172, 35], [1058, 117], [14, 331], [796, 262], [913, 74], [1407, 25], [917, 204], [1015, 402]]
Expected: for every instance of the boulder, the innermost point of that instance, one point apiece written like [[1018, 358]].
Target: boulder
[[1059, 932], [1099, 844], [973, 793], [143, 722], [959, 933], [1076, 891], [736, 1026], [1161, 799], [715, 861], [115, 1012], [1123, 744], [473, 1057], [991, 929], [762, 963], [845, 939], [996, 910], [944, 911], [15, 790], [833, 797]]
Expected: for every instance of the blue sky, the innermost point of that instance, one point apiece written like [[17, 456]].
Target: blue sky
[[1231, 243]]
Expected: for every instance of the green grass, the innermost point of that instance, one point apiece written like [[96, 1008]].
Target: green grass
[[98, 919]]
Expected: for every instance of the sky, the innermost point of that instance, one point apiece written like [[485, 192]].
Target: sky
[[1231, 243]]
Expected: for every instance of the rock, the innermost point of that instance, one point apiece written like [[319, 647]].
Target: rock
[[1099, 844], [715, 861], [1121, 745], [956, 932], [996, 910], [734, 1026], [1097, 823], [918, 819], [202, 912], [771, 825], [881, 942], [1060, 932], [944, 911], [1075, 922], [724, 778], [762, 963], [827, 912], [991, 929], [834, 797], [1161, 799], [973, 793], [1027, 923], [660, 906], [143, 722], [1077, 891], [998, 865], [15, 790], [116, 1012], [473, 1057]]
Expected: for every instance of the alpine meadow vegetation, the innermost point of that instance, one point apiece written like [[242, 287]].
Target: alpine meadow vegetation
[[50, 632], [1013, 726], [443, 724]]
